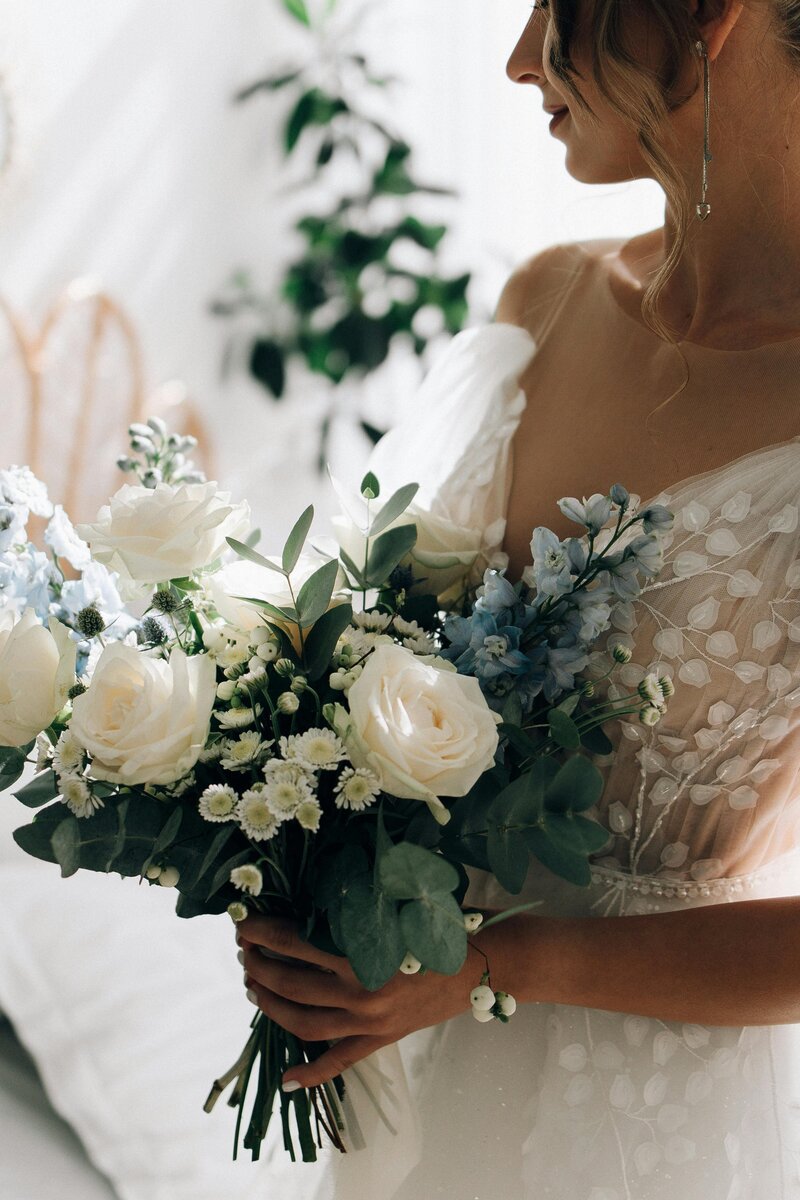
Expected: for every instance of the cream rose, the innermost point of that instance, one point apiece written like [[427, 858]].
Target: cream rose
[[244, 578], [150, 535], [446, 557], [424, 730], [143, 719], [37, 669]]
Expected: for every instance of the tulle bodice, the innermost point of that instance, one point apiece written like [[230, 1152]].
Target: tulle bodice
[[713, 791]]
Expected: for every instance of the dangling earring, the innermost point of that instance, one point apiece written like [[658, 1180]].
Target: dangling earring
[[704, 208]]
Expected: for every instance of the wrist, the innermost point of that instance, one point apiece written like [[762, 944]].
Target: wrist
[[528, 956]]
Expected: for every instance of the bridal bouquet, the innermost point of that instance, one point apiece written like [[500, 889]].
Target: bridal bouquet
[[309, 735]]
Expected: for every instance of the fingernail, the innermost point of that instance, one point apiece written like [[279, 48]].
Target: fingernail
[[253, 998], [291, 1085], [240, 957], [238, 938]]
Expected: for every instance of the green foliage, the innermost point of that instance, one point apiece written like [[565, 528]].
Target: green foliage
[[41, 790], [320, 314], [12, 764]]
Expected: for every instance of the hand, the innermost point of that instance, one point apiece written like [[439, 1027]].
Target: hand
[[319, 998]]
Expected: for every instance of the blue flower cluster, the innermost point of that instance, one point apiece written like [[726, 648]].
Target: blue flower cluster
[[534, 637]]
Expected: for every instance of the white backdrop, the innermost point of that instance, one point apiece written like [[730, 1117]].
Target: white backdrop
[[131, 164]]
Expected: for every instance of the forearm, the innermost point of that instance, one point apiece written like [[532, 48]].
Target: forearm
[[725, 964]]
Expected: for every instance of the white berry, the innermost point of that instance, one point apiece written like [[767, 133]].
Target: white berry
[[482, 998], [169, 877], [473, 921], [507, 1004], [483, 1015], [153, 872], [410, 965]]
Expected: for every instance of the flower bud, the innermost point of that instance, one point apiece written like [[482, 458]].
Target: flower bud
[[621, 653], [650, 690], [298, 685], [482, 998], [226, 689], [619, 494], [473, 921], [76, 690], [169, 877], [165, 601], [237, 911], [285, 667], [588, 689], [410, 965], [667, 686], [153, 631], [649, 716], [287, 703], [89, 621], [158, 426], [125, 463]]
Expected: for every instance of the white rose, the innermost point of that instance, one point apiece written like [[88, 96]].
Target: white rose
[[145, 720], [151, 535], [244, 578], [37, 669], [445, 557], [424, 730]]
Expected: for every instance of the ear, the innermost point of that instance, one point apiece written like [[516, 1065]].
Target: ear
[[716, 31]]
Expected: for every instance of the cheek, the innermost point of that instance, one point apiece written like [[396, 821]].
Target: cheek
[[602, 153]]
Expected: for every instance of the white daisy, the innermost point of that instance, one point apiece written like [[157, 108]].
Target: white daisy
[[212, 751], [218, 802], [183, 785], [373, 622], [318, 749], [255, 815], [420, 643], [248, 878], [309, 815], [236, 718], [69, 755], [356, 789], [241, 753], [285, 793], [77, 797]]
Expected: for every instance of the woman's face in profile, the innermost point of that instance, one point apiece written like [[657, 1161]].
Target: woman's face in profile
[[601, 148]]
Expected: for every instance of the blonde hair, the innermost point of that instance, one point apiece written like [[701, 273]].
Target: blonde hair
[[644, 98]]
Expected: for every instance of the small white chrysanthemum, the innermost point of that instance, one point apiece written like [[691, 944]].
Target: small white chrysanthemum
[[69, 755], [649, 715], [318, 749], [373, 622], [309, 815], [420, 643], [212, 751], [407, 628], [218, 802], [356, 789], [285, 795], [650, 690], [77, 797], [241, 753], [248, 878], [237, 911], [236, 718], [255, 815], [233, 655]]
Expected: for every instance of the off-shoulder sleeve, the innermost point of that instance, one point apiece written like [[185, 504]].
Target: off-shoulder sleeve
[[714, 789]]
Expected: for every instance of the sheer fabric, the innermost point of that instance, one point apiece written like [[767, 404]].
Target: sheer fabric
[[572, 1103]]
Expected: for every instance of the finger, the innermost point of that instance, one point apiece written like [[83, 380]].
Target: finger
[[276, 933], [304, 986], [344, 1054], [310, 1024]]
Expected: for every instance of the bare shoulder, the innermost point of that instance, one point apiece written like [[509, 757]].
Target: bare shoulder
[[537, 284]]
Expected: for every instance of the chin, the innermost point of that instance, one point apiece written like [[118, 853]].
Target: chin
[[597, 172]]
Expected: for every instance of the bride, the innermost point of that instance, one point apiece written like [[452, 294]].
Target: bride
[[655, 1053]]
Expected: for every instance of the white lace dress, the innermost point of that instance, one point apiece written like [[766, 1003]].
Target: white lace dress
[[570, 1103]]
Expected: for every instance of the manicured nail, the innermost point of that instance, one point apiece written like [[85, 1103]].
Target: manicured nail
[[253, 998], [238, 938], [240, 956], [291, 1085]]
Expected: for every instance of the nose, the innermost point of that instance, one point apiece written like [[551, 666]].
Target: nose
[[525, 63]]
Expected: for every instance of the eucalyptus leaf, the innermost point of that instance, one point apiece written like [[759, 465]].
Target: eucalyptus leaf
[[169, 832], [569, 704], [315, 594], [512, 709], [245, 551], [563, 729], [296, 539], [408, 872], [41, 790], [279, 614], [11, 767], [371, 933], [394, 507], [433, 929], [321, 641], [218, 844], [559, 859], [66, 842], [223, 873], [370, 486], [387, 551], [356, 573], [596, 741], [577, 786]]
